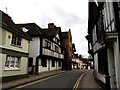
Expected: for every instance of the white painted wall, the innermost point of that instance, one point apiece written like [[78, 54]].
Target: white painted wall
[[117, 62], [41, 68], [49, 66], [98, 75], [34, 49], [111, 65]]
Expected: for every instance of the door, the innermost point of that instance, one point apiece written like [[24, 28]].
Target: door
[[112, 68]]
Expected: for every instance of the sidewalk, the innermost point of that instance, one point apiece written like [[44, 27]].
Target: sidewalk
[[12, 84], [88, 82]]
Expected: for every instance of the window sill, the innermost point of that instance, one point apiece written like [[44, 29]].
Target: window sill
[[16, 45], [12, 69]]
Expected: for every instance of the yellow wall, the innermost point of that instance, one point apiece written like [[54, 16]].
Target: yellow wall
[[23, 67], [0, 65], [6, 42]]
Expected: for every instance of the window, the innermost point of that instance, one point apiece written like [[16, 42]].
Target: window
[[102, 60], [44, 62], [63, 51], [56, 49], [16, 40], [53, 63], [59, 64], [70, 49], [30, 62], [12, 62], [47, 44]]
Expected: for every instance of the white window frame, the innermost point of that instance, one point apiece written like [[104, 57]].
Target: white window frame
[[12, 62], [16, 41]]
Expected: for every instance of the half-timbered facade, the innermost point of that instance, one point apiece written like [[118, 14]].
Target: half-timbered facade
[[45, 52], [52, 52], [103, 42]]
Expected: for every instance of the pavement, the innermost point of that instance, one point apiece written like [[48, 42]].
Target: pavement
[[86, 80]]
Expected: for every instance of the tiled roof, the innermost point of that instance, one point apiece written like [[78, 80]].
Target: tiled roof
[[7, 23], [34, 29], [6, 20], [50, 33]]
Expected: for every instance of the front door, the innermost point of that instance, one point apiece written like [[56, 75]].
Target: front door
[[111, 61]]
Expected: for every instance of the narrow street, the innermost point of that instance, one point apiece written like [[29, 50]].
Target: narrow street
[[64, 81]]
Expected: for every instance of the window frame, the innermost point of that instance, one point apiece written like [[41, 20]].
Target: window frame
[[47, 44], [16, 41], [44, 62], [12, 62], [53, 63]]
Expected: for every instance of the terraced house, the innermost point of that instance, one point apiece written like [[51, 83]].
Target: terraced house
[[45, 52], [13, 49], [104, 42]]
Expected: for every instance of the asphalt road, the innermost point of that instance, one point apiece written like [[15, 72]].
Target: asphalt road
[[65, 80]]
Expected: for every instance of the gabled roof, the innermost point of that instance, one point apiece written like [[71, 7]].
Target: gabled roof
[[6, 20], [7, 23], [50, 33], [33, 29]]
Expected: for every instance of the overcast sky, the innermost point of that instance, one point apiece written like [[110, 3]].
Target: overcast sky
[[68, 14]]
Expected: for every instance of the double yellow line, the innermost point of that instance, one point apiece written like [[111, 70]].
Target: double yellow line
[[76, 86]]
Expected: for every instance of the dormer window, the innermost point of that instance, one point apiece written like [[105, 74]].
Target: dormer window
[[25, 30], [16, 40]]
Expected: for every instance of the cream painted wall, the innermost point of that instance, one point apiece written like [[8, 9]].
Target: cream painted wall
[[6, 37], [23, 67], [0, 65], [6, 42], [0, 36]]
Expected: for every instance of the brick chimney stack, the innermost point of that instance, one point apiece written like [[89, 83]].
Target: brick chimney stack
[[51, 25]]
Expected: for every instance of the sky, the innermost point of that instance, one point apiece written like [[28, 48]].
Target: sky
[[68, 14]]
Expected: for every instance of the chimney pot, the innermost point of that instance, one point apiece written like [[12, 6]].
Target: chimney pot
[[51, 25]]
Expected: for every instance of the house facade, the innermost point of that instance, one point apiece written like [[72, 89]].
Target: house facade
[[104, 42], [52, 51], [45, 53], [13, 49], [33, 30], [67, 44], [74, 63]]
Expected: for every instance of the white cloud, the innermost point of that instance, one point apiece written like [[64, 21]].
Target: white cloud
[[67, 14]]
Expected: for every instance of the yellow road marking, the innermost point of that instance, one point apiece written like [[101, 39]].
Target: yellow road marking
[[78, 81]]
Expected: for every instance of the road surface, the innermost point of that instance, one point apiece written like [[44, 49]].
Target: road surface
[[65, 81]]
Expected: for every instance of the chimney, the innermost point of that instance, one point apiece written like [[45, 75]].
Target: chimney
[[69, 30], [51, 25]]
